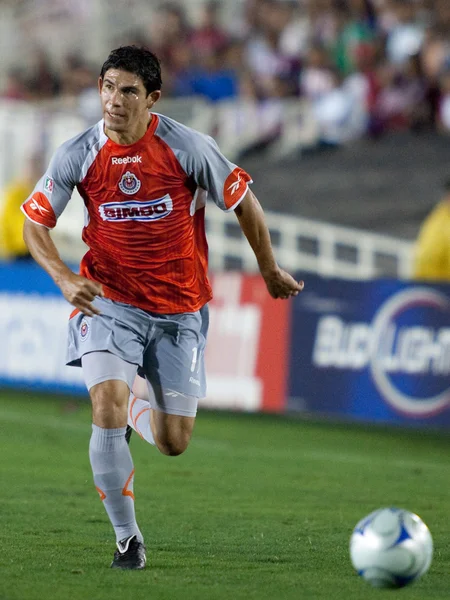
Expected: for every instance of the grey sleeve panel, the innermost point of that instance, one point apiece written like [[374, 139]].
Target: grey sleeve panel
[[69, 166], [200, 158]]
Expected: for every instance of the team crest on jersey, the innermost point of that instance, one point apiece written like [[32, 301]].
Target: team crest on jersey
[[84, 330], [129, 184]]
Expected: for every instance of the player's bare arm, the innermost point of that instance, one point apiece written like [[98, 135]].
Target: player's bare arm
[[251, 219], [77, 290]]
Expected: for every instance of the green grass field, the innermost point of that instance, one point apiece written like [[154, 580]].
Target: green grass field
[[259, 507]]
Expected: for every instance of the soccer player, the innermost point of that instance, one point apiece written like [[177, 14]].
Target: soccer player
[[140, 300]]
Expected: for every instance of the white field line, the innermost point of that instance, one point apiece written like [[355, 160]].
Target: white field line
[[60, 423]]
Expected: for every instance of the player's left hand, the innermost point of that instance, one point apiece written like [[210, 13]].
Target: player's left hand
[[282, 285]]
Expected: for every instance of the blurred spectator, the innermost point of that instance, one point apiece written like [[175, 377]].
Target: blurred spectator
[[435, 53], [169, 28], [209, 37], [355, 28], [77, 76], [179, 80], [16, 87], [295, 38], [44, 82], [79, 81], [323, 21], [407, 36], [365, 84], [442, 11], [316, 78], [340, 114], [432, 253], [214, 80], [12, 246], [263, 55], [402, 101], [444, 103], [392, 58]]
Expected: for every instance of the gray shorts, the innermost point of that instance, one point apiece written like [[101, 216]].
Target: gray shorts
[[168, 349]]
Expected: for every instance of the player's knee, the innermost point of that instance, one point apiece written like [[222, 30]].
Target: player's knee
[[173, 445]]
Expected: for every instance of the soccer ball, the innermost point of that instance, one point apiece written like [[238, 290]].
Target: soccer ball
[[391, 548]]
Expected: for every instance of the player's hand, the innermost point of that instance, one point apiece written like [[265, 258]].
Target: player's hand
[[281, 285], [80, 292]]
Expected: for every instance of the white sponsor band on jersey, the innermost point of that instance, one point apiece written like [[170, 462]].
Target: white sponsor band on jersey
[[124, 160], [136, 210]]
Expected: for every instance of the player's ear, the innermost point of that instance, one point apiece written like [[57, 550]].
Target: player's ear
[[153, 98], [100, 84]]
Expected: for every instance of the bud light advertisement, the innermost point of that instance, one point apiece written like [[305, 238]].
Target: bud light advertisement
[[374, 351]]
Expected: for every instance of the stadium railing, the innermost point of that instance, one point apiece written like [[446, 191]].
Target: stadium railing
[[300, 245]]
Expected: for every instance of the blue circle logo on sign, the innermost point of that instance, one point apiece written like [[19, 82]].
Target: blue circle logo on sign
[[410, 354]]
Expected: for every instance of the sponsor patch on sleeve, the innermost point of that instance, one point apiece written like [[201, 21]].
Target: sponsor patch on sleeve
[[235, 186], [38, 209]]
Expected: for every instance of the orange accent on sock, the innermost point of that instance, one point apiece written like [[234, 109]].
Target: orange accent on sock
[[137, 417], [133, 402], [101, 493], [126, 491]]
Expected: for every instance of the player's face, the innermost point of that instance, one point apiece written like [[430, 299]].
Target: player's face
[[125, 102]]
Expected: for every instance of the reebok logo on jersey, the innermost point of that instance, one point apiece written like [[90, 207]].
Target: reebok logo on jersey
[[136, 210], [235, 186], [126, 160], [34, 204]]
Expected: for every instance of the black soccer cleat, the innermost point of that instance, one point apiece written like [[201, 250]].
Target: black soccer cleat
[[130, 554], [128, 433]]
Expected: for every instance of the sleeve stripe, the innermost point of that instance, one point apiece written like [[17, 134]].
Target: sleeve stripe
[[32, 220], [240, 199], [92, 155]]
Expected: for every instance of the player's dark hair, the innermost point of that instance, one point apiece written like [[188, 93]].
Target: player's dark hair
[[137, 60]]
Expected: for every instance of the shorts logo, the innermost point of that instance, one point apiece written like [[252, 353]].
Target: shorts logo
[[136, 210], [84, 330], [126, 159], [48, 185], [129, 184]]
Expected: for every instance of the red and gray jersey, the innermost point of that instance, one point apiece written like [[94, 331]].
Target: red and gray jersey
[[144, 210]]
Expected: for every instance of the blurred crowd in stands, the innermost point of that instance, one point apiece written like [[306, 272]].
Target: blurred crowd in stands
[[390, 56]]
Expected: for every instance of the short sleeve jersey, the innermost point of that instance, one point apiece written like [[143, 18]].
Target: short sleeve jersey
[[144, 210]]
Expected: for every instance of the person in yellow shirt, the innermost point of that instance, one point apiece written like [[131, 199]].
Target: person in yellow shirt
[[12, 246], [432, 251]]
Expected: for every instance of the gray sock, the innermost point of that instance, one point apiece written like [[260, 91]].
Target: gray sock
[[113, 477]]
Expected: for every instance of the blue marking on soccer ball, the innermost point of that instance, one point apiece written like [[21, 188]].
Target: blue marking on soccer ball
[[404, 535]]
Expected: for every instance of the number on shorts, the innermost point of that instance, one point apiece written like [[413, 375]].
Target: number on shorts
[[194, 359]]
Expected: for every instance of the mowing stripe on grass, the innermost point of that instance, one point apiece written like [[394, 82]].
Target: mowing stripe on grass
[[255, 452]]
